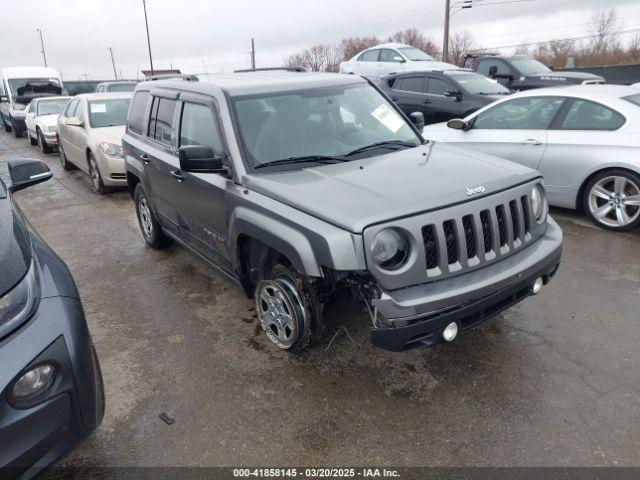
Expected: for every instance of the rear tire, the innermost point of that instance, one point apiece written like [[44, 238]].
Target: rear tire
[[288, 309], [32, 141], [151, 229], [611, 199], [16, 132], [7, 126]]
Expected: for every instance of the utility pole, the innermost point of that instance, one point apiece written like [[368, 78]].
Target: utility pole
[[253, 55], [113, 63], [42, 45], [146, 22], [445, 41]]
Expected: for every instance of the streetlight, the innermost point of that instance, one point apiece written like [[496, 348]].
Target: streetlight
[[461, 4], [146, 23], [44, 56]]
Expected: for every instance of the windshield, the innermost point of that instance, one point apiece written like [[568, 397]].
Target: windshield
[[332, 121], [108, 113], [51, 107], [529, 66], [479, 84], [16, 83], [122, 87], [415, 55]]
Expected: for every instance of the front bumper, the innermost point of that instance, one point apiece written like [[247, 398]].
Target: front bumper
[[33, 435], [112, 170], [415, 316]]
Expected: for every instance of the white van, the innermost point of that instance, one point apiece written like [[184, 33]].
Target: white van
[[18, 86]]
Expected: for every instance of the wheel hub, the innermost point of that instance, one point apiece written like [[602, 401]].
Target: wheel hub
[[278, 312], [615, 201]]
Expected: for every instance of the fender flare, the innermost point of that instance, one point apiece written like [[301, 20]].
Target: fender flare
[[281, 237]]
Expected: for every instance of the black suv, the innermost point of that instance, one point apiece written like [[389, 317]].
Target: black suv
[[524, 73], [51, 393], [441, 96]]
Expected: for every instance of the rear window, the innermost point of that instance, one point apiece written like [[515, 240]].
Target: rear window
[[635, 99], [122, 87], [136, 116]]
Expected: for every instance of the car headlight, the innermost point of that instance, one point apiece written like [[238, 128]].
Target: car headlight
[[111, 149], [390, 249], [539, 204], [52, 128], [19, 303]]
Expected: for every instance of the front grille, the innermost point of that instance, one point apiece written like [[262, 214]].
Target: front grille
[[472, 239]]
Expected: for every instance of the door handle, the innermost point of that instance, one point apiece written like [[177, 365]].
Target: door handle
[[426, 101], [395, 99], [145, 158], [177, 174], [531, 141]]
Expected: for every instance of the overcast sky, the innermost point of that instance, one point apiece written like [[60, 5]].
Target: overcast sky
[[199, 35]]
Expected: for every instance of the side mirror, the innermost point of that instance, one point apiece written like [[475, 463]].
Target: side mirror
[[493, 71], [74, 122], [398, 59], [458, 124], [25, 173], [201, 159], [417, 118]]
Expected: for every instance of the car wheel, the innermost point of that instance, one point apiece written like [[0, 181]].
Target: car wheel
[[16, 132], [43, 143], [612, 200], [32, 141], [151, 230], [288, 308], [96, 177], [66, 164], [7, 126]]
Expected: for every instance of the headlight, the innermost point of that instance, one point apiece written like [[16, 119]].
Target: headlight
[[20, 302], [539, 205], [52, 128], [111, 149], [390, 249]]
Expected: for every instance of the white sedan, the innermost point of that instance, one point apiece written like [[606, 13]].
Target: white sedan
[[388, 58], [42, 121], [584, 139]]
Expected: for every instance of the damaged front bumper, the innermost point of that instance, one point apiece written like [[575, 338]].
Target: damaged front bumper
[[416, 316]]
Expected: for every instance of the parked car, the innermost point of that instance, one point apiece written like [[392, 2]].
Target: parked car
[[51, 393], [42, 121], [300, 185], [20, 85], [524, 73], [584, 139], [441, 96], [116, 86], [388, 58], [90, 131]]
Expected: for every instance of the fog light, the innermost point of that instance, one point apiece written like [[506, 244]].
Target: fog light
[[450, 332], [34, 382], [537, 285]]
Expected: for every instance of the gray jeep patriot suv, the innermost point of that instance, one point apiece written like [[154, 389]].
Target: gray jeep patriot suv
[[300, 185]]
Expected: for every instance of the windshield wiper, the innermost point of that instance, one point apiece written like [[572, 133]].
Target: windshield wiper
[[303, 159], [385, 144]]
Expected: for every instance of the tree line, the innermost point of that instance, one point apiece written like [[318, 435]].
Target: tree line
[[602, 45]]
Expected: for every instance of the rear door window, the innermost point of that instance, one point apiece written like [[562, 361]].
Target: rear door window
[[410, 84], [161, 120]]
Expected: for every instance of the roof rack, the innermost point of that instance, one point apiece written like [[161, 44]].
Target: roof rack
[[471, 55], [270, 69], [170, 76]]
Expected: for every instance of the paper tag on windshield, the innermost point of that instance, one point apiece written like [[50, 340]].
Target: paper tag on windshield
[[388, 118], [98, 108]]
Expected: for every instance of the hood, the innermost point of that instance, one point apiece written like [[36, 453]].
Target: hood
[[363, 192], [109, 134], [15, 245], [569, 77], [31, 90], [48, 120], [436, 131]]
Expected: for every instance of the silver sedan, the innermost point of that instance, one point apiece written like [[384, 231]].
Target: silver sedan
[[584, 139]]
